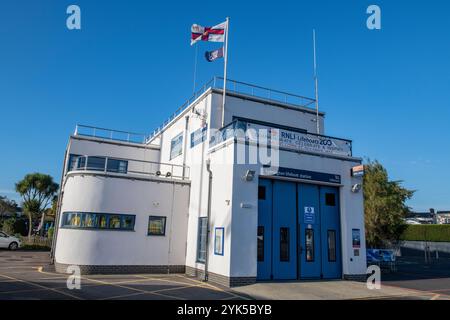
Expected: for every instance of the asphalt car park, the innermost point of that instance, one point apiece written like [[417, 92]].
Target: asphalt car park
[[26, 275]]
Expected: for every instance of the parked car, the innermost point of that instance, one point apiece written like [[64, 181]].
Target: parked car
[[9, 242]]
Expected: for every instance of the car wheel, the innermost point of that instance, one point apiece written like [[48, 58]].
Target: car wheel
[[13, 246]]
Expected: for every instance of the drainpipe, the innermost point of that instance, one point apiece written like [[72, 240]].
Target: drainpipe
[[186, 127], [208, 168]]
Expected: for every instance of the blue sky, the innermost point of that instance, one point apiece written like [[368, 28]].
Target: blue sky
[[131, 65]]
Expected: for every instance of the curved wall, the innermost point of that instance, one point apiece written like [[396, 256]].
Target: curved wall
[[87, 192]]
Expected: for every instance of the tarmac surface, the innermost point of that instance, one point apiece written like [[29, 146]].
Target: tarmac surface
[[26, 275]]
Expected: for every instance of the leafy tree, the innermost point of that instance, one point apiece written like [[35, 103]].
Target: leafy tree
[[37, 191], [6, 206], [384, 206]]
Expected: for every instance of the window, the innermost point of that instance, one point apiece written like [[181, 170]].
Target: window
[[72, 163], [119, 166], [2, 235], [330, 199], [284, 244], [201, 239], [309, 245], [260, 238], [332, 245], [262, 193], [176, 146], [88, 220], [96, 163], [218, 241], [114, 222], [156, 226]]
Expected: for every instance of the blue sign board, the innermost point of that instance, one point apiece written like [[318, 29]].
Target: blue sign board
[[309, 216], [303, 174]]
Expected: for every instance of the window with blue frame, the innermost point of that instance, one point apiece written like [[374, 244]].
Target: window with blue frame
[[77, 162], [106, 221], [176, 146], [156, 226], [219, 241], [201, 239]]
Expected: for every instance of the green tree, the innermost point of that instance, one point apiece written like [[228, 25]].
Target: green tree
[[37, 191], [6, 206], [384, 206]]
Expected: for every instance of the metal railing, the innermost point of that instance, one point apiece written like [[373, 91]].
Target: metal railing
[[238, 129], [241, 88], [130, 166], [109, 134]]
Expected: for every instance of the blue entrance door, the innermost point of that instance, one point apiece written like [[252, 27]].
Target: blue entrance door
[[309, 230], [330, 233], [284, 252], [264, 236]]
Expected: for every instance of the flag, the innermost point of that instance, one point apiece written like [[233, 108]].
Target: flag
[[213, 55], [213, 34]]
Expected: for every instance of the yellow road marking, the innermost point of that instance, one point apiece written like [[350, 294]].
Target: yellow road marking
[[43, 287]]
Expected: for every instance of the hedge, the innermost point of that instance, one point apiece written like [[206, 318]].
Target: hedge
[[427, 232]]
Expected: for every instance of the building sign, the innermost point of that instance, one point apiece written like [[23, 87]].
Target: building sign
[[301, 174], [356, 238], [358, 171], [309, 216], [198, 136], [299, 141]]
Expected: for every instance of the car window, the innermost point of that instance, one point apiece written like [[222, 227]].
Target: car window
[[3, 235]]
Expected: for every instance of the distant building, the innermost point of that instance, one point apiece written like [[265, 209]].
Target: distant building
[[443, 217], [421, 217]]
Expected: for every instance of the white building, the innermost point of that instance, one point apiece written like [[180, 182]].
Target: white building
[[198, 197]]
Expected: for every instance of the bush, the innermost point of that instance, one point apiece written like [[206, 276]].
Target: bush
[[50, 232], [8, 226], [431, 232], [35, 247]]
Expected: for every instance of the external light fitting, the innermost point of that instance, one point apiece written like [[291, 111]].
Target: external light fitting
[[249, 175]]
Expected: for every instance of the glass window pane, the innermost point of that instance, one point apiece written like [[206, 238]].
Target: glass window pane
[[127, 222], [114, 222], [90, 220], [201, 241], [284, 244], [309, 245], [156, 226], [331, 245], [260, 243], [176, 146], [72, 163], [102, 221], [330, 199], [119, 166], [96, 163], [262, 193]]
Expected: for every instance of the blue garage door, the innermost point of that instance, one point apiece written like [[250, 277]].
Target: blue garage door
[[298, 231]]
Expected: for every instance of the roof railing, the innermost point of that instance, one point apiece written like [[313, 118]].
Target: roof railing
[[109, 134], [241, 88]]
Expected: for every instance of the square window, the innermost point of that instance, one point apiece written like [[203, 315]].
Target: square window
[[114, 222], [262, 193], [330, 199], [127, 222], [156, 226], [119, 166]]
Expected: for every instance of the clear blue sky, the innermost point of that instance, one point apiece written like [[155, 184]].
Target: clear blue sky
[[131, 65]]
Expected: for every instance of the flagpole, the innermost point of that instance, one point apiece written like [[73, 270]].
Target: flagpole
[[195, 67], [316, 86], [225, 72]]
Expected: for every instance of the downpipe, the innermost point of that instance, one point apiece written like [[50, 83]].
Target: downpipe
[[208, 216]]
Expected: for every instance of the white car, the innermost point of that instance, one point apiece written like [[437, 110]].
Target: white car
[[10, 242]]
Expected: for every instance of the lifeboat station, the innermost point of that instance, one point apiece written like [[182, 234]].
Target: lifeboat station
[[232, 190]]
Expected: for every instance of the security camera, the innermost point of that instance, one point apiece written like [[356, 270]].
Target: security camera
[[356, 187]]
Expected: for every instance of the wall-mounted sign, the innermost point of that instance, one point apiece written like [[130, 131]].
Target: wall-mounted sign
[[299, 141], [358, 171], [356, 238], [198, 136], [309, 215], [301, 174]]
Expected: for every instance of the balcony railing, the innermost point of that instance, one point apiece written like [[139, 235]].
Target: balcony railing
[[129, 166], [241, 88], [283, 139], [116, 135]]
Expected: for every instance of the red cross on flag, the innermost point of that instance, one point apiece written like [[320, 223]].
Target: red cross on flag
[[213, 34]]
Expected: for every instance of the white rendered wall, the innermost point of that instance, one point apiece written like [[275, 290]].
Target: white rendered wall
[[88, 193]]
